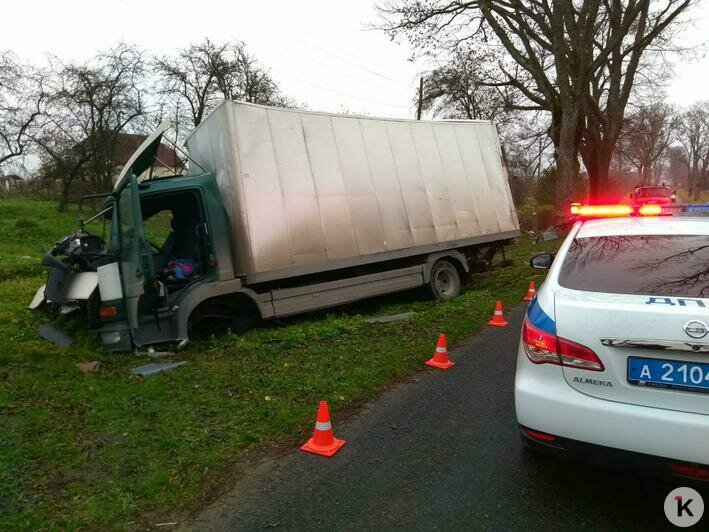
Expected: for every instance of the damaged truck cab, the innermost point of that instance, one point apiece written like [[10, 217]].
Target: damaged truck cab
[[162, 250], [159, 261], [283, 212]]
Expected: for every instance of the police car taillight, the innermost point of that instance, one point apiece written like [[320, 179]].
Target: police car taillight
[[542, 347], [689, 470]]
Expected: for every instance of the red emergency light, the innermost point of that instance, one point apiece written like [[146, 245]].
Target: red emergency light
[[650, 210], [613, 211]]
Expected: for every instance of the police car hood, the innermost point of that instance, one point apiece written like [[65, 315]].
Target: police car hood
[[620, 326]]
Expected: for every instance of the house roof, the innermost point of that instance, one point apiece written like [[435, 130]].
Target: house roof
[[11, 177], [129, 142]]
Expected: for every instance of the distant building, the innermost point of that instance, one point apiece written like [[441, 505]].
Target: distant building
[[167, 163], [11, 183]]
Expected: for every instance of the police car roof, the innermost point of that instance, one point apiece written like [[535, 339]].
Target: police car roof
[[641, 225]]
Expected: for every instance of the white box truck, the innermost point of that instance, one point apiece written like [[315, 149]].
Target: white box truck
[[286, 211]]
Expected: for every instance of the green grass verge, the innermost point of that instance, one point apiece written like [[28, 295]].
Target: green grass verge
[[105, 449]]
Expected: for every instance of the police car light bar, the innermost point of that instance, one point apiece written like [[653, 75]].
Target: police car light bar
[[600, 211], [650, 209]]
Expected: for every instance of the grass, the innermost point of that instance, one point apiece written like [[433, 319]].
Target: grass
[[102, 450]]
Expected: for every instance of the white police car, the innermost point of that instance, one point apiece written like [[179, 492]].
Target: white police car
[[614, 356]]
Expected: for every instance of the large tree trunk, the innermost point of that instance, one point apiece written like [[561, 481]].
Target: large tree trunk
[[566, 148], [599, 142], [567, 173], [692, 180], [597, 162], [65, 190]]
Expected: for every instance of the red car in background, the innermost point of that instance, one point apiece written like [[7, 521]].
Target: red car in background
[[653, 194]]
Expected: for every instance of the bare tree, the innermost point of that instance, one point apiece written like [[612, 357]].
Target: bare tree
[[240, 77], [88, 108], [645, 137], [190, 77], [62, 161], [676, 164], [202, 75], [20, 106], [459, 88], [576, 60], [630, 40], [694, 136]]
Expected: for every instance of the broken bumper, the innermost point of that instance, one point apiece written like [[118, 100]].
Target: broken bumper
[[115, 337]]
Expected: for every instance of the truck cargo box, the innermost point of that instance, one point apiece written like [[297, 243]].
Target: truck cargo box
[[307, 192]]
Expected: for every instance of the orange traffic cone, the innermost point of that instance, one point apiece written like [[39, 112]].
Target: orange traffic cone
[[440, 357], [498, 320], [323, 441], [531, 293]]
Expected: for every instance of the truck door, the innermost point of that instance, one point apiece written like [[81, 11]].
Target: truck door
[[135, 260]]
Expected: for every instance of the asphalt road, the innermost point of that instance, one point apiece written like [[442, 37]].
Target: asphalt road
[[441, 452]]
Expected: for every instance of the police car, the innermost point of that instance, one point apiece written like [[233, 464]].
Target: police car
[[613, 361]]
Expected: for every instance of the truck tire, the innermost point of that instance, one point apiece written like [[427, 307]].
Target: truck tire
[[445, 281], [245, 318], [243, 323]]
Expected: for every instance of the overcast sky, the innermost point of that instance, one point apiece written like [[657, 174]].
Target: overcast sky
[[318, 50]]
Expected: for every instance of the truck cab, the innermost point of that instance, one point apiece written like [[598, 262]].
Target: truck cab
[[161, 238], [159, 249]]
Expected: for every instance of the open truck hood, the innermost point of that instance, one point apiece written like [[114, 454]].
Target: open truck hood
[[143, 157]]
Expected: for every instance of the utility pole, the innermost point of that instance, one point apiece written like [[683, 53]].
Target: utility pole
[[420, 101]]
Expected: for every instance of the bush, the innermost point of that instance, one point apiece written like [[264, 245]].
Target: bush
[[535, 217], [545, 190], [23, 224]]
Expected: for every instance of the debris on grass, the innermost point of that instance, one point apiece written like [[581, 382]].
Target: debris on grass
[[51, 334], [89, 367], [390, 318], [549, 234], [152, 369], [152, 353]]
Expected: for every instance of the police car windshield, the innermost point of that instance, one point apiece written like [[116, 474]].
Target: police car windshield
[[665, 265]]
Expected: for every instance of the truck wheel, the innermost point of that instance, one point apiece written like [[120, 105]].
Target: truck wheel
[[445, 281], [245, 320]]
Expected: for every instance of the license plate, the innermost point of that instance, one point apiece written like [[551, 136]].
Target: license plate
[[690, 376]]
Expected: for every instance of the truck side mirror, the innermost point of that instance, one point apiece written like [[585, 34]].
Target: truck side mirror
[[542, 261]]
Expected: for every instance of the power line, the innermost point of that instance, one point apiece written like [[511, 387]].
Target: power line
[[352, 95], [353, 63], [349, 74], [350, 54]]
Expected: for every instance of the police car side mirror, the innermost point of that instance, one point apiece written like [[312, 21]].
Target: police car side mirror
[[542, 261]]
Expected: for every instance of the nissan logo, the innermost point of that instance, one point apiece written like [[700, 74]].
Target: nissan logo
[[696, 329]]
